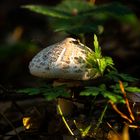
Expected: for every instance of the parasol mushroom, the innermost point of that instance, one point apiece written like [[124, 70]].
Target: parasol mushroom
[[63, 60]]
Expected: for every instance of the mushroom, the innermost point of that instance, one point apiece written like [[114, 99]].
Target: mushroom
[[63, 60]]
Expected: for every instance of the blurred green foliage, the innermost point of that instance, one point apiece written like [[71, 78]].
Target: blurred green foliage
[[79, 17]]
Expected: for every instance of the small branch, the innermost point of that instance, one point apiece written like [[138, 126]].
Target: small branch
[[126, 100], [113, 129], [132, 126], [119, 112]]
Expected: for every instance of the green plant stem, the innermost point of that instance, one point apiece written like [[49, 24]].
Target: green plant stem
[[85, 131], [100, 119], [64, 120]]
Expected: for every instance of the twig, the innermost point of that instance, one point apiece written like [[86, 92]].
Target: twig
[[132, 126], [113, 129], [126, 100], [64, 120], [10, 125], [119, 112]]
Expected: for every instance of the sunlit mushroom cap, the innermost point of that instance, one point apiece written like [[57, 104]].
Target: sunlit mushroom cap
[[63, 60]]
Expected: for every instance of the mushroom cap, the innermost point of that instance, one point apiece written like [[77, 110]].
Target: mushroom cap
[[63, 60]]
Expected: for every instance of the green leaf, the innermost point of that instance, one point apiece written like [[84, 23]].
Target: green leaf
[[109, 10], [83, 8], [64, 10], [113, 97], [109, 61], [117, 85], [96, 61], [55, 92], [77, 6], [77, 29], [102, 64], [116, 88], [127, 77], [96, 46], [72, 16], [30, 91], [48, 92], [49, 11], [86, 130], [97, 49], [133, 89], [93, 91], [120, 76]]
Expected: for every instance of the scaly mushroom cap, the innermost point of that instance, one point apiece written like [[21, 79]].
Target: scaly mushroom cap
[[64, 60]]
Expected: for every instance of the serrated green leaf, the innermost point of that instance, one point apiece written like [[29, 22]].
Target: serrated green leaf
[[96, 61], [53, 95], [55, 92], [94, 91], [102, 65], [96, 46], [113, 97], [90, 91], [48, 92], [109, 61]]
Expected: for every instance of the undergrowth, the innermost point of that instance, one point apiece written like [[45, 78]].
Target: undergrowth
[[78, 18], [114, 93]]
